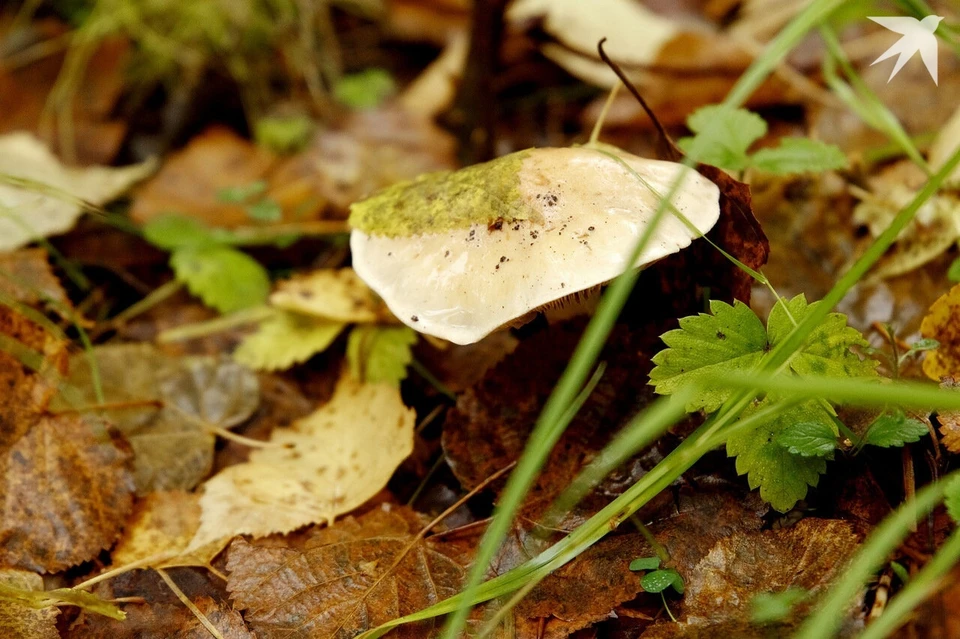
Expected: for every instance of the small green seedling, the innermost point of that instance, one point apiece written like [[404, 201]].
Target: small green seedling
[[256, 205], [658, 579], [364, 90], [723, 136], [283, 134]]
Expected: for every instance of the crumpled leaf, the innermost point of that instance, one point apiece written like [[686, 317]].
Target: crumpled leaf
[[162, 524], [223, 277], [380, 355], [286, 338], [29, 213], [39, 599], [86, 492], [161, 404], [321, 467], [17, 618], [809, 556], [942, 323], [346, 579], [334, 294]]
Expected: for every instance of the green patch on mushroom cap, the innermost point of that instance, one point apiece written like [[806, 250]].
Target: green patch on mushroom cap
[[446, 200]]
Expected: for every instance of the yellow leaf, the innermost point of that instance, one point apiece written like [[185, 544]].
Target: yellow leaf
[[333, 294], [285, 339], [942, 323], [326, 464]]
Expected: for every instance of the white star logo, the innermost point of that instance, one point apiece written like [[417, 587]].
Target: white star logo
[[917, 36]]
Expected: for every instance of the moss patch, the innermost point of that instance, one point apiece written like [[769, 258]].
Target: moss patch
[[447, 200]]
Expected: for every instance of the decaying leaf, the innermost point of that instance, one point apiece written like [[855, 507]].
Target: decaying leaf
[[346, 579], [87, 491], [322, 466], [53, 205], [721, 586], [286, 338], [26, 276], [17, 618], [338, 295], [942, 323], [949, 421], [163, 406]]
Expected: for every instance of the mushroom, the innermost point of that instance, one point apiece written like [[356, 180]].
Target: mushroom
[[461, 254]]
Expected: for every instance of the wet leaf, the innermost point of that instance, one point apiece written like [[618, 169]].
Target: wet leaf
[[17, 617], [30, 212], [163, 405], [346, 579], [942, 323], [86, 496], [334, 294], [660, 580], [380, 355], [320, 467], [286, 338], [223, 277]]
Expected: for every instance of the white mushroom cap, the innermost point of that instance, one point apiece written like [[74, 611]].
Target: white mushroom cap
[[459, 255]]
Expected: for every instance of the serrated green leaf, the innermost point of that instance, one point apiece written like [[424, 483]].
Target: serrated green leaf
[[808, 439], [826, 351], [660, 580], [799, 155], [894, 429], [731, 339], [285, 339], [364, 90], [951, 498], [222, 277], [171, 232], [783, 478], [645, 563], [723, 136], [377, 354]]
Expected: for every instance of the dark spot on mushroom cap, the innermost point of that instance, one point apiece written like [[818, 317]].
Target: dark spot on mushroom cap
[[447, 254], [503, 258], [414, 318], [590, 228], [497, 225]]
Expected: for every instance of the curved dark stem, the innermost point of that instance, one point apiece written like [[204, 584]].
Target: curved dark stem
[[666, 148]]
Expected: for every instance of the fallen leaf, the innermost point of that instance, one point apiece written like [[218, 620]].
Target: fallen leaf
[[286, 338], [949, 420], [942, 323], [721, 586], [338, 295], [26, 276], [380, 354], [321, 467], [163, 406], [17, 617], [87, 492], [33, 212], [347, 578]]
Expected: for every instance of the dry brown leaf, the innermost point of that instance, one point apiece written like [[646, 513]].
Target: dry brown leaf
[[326, 464], [26, 276], [66, 493], [344, 580], [163, 621], [20, 620], [942, 323], [720, 587], [334, 294], [949, 421]]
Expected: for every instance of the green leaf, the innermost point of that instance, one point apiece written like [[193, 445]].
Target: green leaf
[[723, 136], [894, 429], [771, 607], [782, 477], [951, 498], [900, 571], [925, 344], [61, 596], [660, 580], [222, 277], [377, 354], [827, 349], [808, 439], [171, 232], [241, 193], [645, 563], [266, 210], [364, 90], [799, 155], [283, 134], [285, 339], [731, 339]]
